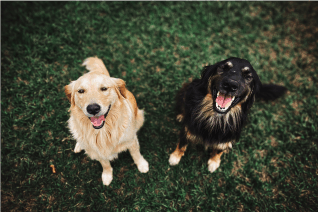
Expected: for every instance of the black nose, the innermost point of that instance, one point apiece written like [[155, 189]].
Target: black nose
[[230, 85], [93, 109]]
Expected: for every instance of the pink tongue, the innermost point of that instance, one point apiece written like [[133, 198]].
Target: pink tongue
[[97, 121], [223, 102]]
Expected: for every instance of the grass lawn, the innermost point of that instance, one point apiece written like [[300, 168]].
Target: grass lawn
[[155, 47]]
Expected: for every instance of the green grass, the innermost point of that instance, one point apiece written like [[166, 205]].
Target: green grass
[[155, 47]]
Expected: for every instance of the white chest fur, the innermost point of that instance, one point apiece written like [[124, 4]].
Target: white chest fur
[[104, 143]]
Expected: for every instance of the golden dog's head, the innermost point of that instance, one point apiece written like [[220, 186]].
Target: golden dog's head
[[93, 94]]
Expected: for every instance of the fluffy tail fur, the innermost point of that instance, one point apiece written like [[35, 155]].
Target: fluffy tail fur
[[95, 64], [271, 92]]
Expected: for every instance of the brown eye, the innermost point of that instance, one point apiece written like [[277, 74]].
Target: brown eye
[[81, 91], [248, 77], [103, 89], [220, 70]]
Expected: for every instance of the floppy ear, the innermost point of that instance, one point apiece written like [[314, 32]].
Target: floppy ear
[[121, 85], [211, 70], [69, 92], [207, 72]]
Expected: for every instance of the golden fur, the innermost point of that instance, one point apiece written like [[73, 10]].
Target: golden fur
[[124, 119]]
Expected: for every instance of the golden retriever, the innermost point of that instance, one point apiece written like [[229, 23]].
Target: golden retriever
[[104, 117]]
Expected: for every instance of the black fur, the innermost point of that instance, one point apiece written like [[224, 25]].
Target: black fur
[[190, 97], [270, 92]]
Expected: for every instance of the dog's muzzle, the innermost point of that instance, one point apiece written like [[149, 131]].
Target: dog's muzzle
[[97, 121]]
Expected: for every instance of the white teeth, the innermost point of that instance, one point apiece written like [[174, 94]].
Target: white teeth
[[223, 108], [220, 108]]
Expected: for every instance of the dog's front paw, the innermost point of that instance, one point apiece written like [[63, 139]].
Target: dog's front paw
[[174, 159], [213, 165], [107, 178], [77, 148], [143, 166]]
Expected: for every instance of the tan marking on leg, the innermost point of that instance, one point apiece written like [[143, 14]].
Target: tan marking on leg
[[222, 146], [190, 136], [175, 157], [214, 161]]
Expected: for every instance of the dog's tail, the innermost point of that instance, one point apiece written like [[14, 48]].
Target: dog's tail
[[95, 64], [140, 119], [271, 92]]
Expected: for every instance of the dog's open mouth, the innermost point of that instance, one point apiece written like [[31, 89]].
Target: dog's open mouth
[[99, 121], [223, 102]]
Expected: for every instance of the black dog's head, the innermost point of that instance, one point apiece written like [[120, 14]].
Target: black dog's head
[[231, 82]]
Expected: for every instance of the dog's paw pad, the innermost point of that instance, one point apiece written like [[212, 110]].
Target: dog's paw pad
[[77, 148], [174, 159], [213, 165], [143, 166], [107, 178]]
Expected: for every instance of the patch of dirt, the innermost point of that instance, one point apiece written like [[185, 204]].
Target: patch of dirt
[[276, 162], [276, 193], [188, 197], [245, 188], [255, 11], [238, 165], [85, 160], [260, 153], [20, 80], [122, 172], [274, 143], [184, 48], [273, 54], [263, 175], [240, 207], [221, 182], [6, 200], [296, 105], [305, 193]]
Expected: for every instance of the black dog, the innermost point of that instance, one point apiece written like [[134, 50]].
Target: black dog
[[213, 109]]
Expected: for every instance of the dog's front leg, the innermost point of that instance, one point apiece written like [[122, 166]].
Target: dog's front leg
[[215, 160], [139, 160], [107, 175], [175, 157], [77, 148]]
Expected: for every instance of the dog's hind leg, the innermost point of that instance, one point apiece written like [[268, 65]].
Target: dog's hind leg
[[107, 175], [139, 160], [175, 157], [215, 160], [140, 119]]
